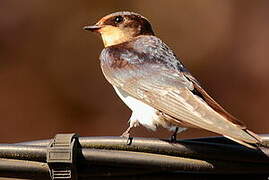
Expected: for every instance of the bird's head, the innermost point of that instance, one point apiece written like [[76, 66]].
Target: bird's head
[[120, 27]]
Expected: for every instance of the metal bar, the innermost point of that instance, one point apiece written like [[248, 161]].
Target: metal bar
[[168, 163], [26, 152], [183, 148], [107, 156], [23, 169], [96, 162], [202, 148]]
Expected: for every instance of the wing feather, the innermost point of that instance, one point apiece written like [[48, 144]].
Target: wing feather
[[169, 95], [160, 85]]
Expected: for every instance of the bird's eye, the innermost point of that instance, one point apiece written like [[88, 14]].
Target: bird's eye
[[118, 19]]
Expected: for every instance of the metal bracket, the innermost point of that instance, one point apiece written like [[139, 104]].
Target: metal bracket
[[61, 156]]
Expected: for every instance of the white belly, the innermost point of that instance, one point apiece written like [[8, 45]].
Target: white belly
[[142, 113]]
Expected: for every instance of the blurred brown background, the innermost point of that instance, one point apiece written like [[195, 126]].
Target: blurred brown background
[[51, 81]]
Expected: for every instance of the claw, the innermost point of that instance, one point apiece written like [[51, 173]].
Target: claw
[[126, 134], [174, 136]]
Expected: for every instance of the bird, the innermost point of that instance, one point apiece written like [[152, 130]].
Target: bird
[[153, 82]]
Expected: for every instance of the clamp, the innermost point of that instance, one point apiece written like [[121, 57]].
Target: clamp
[[61, 156]]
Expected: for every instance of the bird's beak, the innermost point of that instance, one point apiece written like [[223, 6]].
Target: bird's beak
[[93, 28]]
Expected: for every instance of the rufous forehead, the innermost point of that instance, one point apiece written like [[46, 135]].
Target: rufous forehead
[[107, 19], [104, 19], [122, 13]]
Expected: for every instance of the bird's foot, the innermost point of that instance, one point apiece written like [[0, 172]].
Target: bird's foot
[[173, 138], [126, 134]]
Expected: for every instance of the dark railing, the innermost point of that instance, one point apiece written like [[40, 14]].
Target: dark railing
[[68, 156]]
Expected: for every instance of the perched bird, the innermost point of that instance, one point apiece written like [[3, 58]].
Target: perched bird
[[151, 80]]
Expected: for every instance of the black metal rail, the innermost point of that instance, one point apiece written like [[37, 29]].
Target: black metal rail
[[113, 157]]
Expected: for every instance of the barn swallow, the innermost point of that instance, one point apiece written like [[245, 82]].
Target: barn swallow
[[151, 80]]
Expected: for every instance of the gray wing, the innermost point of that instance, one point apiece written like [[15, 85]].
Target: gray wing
[[151, 73]]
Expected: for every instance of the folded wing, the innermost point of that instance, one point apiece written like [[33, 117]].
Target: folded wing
[[171, 91]]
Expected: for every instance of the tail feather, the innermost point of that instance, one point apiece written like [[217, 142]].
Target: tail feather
[[264, 145], [262, 142], [257, 140], [252, 146], [254, 135]]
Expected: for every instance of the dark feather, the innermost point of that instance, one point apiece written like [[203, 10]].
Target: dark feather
[[148, 70], [199, 91]]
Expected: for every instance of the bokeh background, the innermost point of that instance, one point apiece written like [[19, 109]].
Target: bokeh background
[[51, 81]]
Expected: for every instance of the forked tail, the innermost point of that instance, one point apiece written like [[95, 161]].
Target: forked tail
[[262, 142]]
